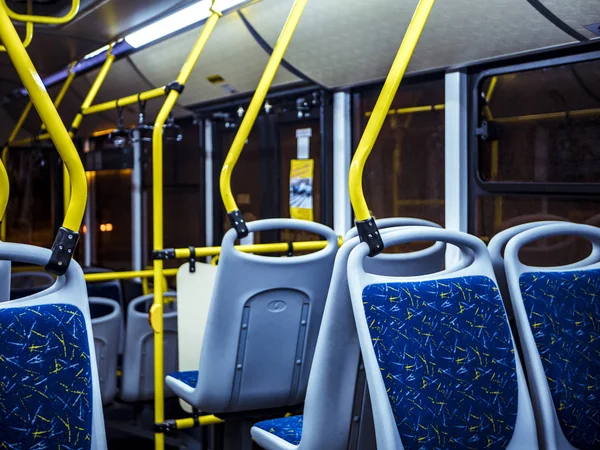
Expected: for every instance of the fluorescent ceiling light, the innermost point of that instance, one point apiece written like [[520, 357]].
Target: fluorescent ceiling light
[[100, 50], [183, 18], [96, 52]]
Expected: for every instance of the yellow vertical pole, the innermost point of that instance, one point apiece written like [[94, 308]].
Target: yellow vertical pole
[[156, 311], [388, 92], [68, 234], [87, 101], [255, 104], [63, 90], [4, 191]]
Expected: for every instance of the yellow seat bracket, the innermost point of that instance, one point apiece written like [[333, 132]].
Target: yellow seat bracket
[[365, 224]]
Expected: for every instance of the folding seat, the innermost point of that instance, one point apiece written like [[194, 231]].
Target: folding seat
[[49, 387], [107, 322], [498, 242], [262, 326], [337, 411], [137, 381], [439, 357], [557, 311]]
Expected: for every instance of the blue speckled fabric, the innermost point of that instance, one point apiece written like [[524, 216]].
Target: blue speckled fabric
[[45, 379], [190, 378], [289, 428], [447, 360], [564, 314]]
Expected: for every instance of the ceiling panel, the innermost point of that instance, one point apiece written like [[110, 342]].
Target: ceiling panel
[[107, 19], [98, 22], [230, 52], [576, 13], [341, 42]]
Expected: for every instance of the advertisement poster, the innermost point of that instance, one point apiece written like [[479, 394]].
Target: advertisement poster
[[301, 189]]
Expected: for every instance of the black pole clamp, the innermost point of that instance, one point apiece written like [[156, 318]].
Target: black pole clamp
[[165, 254], [237, 222], [369, 233], [62, 251], [192, 259], [174, 86], [290, 249]]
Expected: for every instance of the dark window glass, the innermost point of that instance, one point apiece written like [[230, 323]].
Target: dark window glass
[[183, 194], [548, 124], [32, 211], [404, 176], [112, 233]]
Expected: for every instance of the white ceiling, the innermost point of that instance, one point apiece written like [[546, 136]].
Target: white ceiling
[[576, 13], [338, 43]]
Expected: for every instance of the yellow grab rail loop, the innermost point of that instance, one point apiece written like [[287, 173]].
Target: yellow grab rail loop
[[47, 20], [28, 28], [250, 116], [66, 239], [365, 223]]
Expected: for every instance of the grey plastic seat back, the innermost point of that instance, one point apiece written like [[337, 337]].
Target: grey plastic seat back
[[336, 390], [427, 334], [557, 311], [107, 322], [23, 284], [4, 281], [421, 262], [496, 247], [137, 381], [263, 323], [105, 289], [48, 340]]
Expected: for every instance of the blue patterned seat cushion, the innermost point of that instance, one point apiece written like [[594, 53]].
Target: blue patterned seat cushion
[[45, 378], [564, 314], [447, 361], [190, 377], [289, 428]]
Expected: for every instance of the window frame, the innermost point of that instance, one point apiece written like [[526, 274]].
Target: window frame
[[478, 187]]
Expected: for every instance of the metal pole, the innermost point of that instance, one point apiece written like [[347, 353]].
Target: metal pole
[[456, 155], [136, 203], [342, 153], [208, 183]]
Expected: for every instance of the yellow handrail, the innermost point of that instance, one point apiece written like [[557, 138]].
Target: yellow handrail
[[67, 237], [28, 28], [64, 88], [47, 20], [125, 101], [87, 101], [4, 192], [156, 311], [390, 88], [94, 88], [254, 108]]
